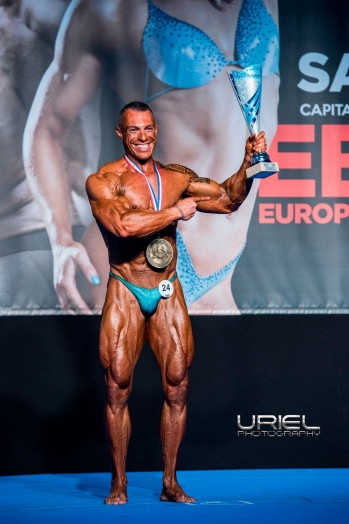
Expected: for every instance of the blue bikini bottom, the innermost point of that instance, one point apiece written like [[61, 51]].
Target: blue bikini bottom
[[194, 285], [148, 298]]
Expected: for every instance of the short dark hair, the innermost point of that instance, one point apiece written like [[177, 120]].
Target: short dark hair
[[136, 106]]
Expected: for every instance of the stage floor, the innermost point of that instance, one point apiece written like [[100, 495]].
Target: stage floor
[[247, 496]]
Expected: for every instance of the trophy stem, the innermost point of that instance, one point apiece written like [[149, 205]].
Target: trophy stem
[[247, 86], [262, 156]]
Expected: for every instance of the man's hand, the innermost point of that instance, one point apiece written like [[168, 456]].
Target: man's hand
[[67, 259], [187, 206], [255, 144]]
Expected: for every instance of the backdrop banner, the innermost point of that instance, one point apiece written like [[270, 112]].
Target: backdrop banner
[[67, 69], [297, 249]]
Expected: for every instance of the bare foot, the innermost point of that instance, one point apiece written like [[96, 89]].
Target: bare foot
[[175, 493], [117, 495]]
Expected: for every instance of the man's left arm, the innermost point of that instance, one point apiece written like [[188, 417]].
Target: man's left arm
[[228, 196]]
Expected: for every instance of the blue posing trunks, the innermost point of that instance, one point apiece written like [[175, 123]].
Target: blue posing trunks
[[148, 298]]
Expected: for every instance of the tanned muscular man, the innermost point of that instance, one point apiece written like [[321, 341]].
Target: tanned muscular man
[[137, 203]]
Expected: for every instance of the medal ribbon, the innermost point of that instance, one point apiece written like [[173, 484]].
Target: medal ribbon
[[157, 200]]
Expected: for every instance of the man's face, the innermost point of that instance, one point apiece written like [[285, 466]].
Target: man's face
[[138, 131]]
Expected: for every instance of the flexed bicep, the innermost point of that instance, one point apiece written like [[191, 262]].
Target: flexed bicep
[[108, 203], [217, 199]]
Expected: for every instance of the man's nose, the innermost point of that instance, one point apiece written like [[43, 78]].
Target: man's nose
[[142, 135]]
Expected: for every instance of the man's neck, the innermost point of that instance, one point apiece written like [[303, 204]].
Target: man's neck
[[145, 167]]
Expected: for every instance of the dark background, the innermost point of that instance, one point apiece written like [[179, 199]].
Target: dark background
[[52, 394]]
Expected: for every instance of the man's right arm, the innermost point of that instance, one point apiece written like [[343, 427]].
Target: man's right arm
[[66, 87], [114, 211]]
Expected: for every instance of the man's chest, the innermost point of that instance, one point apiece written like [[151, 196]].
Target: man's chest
[[154, 192]]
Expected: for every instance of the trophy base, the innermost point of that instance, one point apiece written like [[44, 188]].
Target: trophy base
[[262, 170]]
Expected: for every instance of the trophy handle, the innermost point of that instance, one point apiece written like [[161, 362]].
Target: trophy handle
[[262, 156]]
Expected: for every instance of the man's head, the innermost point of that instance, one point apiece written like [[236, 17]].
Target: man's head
[[136, 106], [137, 130]]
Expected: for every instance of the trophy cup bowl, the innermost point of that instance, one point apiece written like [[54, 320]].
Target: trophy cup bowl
[[247, 86]]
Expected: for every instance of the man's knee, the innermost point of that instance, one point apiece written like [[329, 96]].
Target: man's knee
[[118, 396], [119, 387], [176, 394], [177, 368]]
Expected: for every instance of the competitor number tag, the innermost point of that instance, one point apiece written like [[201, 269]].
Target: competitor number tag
[[165, 288]]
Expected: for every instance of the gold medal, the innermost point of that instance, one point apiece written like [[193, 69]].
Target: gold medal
[[159, 253]]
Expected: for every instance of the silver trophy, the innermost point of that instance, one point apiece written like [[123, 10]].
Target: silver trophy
[[247, 86]]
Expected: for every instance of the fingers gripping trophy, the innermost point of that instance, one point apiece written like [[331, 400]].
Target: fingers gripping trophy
[[247, 86]]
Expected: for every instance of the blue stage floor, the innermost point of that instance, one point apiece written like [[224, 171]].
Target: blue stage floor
[[248, 496]]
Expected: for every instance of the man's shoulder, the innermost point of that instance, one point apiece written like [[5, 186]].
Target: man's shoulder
[[178, 168], [106, 178], [115, 167]]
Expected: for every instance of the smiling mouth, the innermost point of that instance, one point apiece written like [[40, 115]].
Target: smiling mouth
[[143, 147]]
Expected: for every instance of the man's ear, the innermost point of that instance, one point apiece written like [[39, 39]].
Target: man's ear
[[118, 131]]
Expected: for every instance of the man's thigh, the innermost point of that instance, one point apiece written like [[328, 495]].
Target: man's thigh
[[122, 332], [170, 336]]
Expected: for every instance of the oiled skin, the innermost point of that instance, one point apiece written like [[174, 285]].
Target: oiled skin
[[121, 203]]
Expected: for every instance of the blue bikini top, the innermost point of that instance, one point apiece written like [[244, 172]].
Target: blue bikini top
[[183, 56]]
